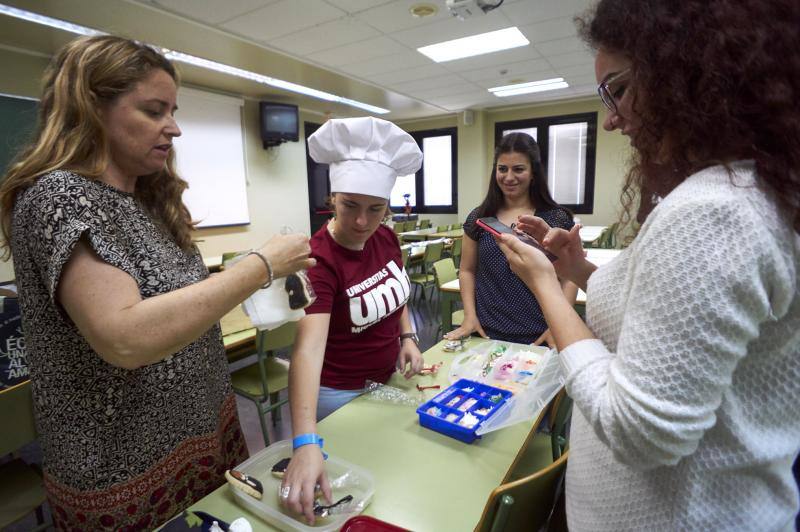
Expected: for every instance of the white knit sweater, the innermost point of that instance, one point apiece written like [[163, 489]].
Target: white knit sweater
[[688, 406]]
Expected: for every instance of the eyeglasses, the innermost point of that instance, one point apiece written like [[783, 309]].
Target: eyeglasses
[[609, 97]]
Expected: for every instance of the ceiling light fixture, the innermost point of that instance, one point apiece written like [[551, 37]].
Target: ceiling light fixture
[[197, 61], [484, 43], [531, 86]]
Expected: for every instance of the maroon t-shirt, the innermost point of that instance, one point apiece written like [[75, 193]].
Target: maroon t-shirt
[[364, 292]]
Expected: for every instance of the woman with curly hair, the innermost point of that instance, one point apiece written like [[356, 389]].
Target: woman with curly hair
[[686, 372], [132, 398]]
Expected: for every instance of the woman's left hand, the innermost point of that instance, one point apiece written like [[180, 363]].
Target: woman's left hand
[[530, 264], [409, 356]]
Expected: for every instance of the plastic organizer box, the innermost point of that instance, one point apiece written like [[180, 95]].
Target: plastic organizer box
[[460, 409]]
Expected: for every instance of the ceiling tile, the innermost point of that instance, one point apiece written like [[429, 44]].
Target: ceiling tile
[[461, 91], [354, 6], [576, 70], [537, 67], [387, 63], [561, 46], [572, 59], [589, 89], [549, 30], [208, 10], [523, 53], [464, 101], [451, 28], [395, 16], [282, 18], [409, 74], [357, 52], [410, 87], [530, 11], [501, 81], [339, 32]]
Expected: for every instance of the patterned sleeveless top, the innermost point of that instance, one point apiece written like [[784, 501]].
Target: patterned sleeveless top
[[121, 447]]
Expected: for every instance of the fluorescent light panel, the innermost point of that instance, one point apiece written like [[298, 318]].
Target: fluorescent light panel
[[484, 43], [529, 87], [197, 61]]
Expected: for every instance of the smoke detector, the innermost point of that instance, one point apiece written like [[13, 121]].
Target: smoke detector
[[423, 10]]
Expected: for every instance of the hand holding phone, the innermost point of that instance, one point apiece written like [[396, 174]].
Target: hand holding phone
[[496, 227]]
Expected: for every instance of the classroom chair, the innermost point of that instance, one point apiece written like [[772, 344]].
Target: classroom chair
[[453, 227], [525, 504], [455, 252], [547, 440], [21, 490], [426, 277], [261, 381], [528, 502], [441, 228], [607, 238], [226, 257], [424, 224]]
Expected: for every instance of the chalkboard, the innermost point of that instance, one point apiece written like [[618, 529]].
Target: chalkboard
[[17, 123]]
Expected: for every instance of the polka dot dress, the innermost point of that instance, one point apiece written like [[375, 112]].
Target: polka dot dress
[[506, 308]]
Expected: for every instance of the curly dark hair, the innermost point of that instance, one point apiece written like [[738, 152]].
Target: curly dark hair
[[714, 81], [538, 192]]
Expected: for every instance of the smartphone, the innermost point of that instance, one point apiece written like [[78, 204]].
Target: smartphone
[[496, 227]]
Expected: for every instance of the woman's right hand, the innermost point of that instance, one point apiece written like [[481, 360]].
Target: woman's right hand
[[306, 470], [467, 327], [288, 254], [566, 245]]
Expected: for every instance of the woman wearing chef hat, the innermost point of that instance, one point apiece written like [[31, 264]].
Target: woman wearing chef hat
[[358, 329]]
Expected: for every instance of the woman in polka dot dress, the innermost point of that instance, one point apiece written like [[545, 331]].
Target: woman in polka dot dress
[[497, 304]]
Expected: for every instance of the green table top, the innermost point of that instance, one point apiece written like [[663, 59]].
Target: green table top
[[424, 480]]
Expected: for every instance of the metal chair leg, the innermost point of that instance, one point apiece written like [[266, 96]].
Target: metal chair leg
[[261, 420]]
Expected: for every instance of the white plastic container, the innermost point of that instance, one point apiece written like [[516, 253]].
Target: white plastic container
[[345, 479]]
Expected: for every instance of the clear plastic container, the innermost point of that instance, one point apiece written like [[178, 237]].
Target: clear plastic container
[[345, 479]]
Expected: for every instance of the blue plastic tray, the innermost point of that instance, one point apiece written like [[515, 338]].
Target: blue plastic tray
[[448, 412]]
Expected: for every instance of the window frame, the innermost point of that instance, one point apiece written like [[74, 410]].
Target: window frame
[[419, 179], [542, 125]]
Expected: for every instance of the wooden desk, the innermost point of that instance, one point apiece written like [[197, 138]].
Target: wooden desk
[[213, 263], [238, 334], [418, 232], [450, 293], [425, 481], [598, 257], [590, 233], [455, 233]]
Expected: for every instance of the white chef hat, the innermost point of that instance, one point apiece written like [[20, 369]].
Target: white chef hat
[[365, 154]]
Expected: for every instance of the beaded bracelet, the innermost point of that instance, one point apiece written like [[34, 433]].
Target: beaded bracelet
[[267, 263]]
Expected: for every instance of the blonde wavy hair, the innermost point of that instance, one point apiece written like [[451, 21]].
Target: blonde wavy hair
[[70, 135]]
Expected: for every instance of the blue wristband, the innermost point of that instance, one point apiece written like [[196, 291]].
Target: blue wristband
[[309, 439]]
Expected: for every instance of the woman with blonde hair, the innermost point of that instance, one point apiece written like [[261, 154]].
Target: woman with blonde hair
[[133, 402]]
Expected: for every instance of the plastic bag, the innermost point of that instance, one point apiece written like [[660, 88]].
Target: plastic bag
[[282, 302], [383, 393], [531, 373]]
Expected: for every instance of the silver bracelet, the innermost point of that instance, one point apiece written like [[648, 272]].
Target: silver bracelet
[[267, 263]]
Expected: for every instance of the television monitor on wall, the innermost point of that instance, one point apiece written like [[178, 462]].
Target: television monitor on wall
[[279, 123]]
